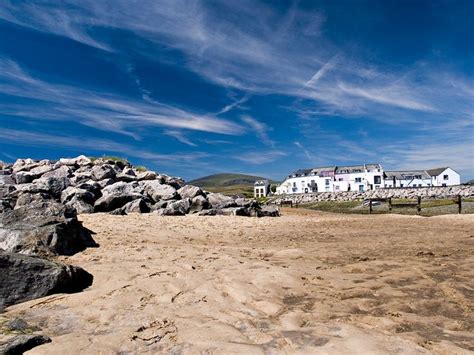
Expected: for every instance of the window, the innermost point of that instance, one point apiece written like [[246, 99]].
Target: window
[[444, 185], [340, 179], [337, 188], [327, 182], [294, 184], [401, 185], [377, 179], [417, 176], [361, 188], [358, 179], [445, 177]]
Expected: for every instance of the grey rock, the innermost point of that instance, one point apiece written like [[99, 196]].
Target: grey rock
[[136, 206], [80, 205], [111, 202], [26, 199], [81, 160], [6, 180], [268, 211], [101, 172], [189, 191], [22, 343], [157, 191], [52, 185], [199, 203], [176, 208], [125, 177], [6, 190], [60, 172], [220, 201], [43, 228], [146, 175], [26, 278], [235, 211], [23, 177]]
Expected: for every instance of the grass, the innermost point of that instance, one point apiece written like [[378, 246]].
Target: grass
[[141, 168], [228, 184], [111, 157]]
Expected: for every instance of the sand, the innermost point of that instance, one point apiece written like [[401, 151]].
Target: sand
[[308, 282]]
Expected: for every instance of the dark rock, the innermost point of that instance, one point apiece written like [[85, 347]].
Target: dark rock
[[136, 206], [26, 199], [111, 202], [43, 228], [26, 278], [176, 208], [268, 211], [60, 172], [101, 172], [23, 177], [22, 343], [199, 203], [235, 211], [6, 190], [52, 185], [80, 206]]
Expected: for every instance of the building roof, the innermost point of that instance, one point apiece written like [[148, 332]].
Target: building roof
[[261, 182], [406, 174], [436, 171]]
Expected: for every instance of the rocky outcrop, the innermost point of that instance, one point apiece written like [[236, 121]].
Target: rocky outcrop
[[464, 191], [22, 343], [106, 185], [25, 278], [43, 228]]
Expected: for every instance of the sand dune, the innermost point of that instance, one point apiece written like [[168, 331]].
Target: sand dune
[[304, 283]]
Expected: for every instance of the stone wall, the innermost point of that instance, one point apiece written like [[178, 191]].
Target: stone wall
[[402, 193]]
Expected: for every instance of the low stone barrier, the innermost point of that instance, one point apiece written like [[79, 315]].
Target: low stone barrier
[[434, 193]]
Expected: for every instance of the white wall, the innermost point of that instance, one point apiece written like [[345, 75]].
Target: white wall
[[453, 178]]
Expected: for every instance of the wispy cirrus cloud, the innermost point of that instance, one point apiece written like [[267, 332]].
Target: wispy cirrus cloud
[[100, 110], [260, 129]]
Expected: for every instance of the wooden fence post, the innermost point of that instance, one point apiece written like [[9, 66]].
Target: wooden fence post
[[459, 204], [418, 206], [370, 206], [390, 204]]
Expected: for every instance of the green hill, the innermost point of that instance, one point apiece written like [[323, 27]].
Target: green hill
[[228, 184]]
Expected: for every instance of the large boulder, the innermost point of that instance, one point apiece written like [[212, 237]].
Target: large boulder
[[190, 191], [146, 175], [104, 171], [268, 211], [220, 201], [26, 278], [137, 206], [22, 343], [158, 191], [43, 228], [23, 177], [26, 199], [176, 208], [61, 172], [111, 202], [81, 160], [51, 185], [199, 203]]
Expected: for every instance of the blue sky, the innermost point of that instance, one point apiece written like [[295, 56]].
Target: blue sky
[[192, 88]]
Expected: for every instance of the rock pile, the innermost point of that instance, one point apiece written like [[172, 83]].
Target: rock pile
[[113, 186]]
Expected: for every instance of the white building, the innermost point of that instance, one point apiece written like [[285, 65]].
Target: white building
[[261, 188], [444, 177], [363, 178], [422, 178], [328, 179]]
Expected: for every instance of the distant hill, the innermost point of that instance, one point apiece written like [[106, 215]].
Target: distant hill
[[228, 184]]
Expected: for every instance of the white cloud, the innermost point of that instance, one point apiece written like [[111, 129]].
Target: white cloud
[[260, 129], [100, 110], [180, 137]]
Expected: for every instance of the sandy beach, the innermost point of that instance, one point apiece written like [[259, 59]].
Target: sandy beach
[[308, 282]]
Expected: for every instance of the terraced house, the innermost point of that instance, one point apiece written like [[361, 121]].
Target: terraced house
[[363, 178]]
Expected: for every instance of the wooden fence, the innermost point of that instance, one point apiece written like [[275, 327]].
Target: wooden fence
[[457, 200]]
